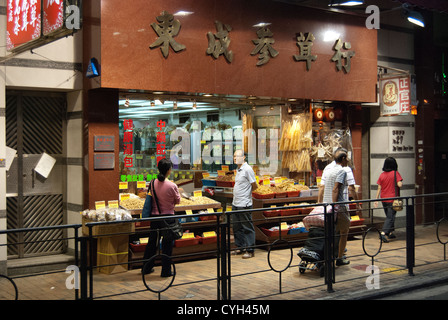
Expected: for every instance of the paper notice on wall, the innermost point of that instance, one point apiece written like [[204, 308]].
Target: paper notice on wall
[[10, 155], [45, 165]]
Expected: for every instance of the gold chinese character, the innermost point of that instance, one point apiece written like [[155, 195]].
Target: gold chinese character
[[305, 43], [219, 42], [347, 55], [166, 29], [264, 46]]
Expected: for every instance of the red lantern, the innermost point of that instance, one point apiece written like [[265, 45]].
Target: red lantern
[[329, 115], [318, 114]]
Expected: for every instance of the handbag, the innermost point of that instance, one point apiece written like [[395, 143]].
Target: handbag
[[397, 205], [147, 207], [171, 230]]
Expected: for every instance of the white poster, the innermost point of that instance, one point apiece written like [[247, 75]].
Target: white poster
[[45, 165], [10, 155]]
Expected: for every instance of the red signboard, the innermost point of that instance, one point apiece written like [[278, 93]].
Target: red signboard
[[23, 22], [53, 16]]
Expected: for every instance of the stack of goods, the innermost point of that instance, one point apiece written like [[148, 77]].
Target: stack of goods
[[263, 192], [195, 201], [297, 228], [295, 142], [106, 214], [227, 180], [133, 203]]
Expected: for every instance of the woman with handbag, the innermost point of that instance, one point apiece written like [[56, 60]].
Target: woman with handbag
[[165, 195], [389, 184]]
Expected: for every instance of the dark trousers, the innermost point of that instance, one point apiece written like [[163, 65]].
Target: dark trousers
[[151, 247], [243, 229], [389, 223]]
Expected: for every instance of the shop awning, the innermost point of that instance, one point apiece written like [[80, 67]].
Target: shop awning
[[438, 5]]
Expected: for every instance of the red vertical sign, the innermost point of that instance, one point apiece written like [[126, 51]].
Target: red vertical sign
[[23, 22], [53, 16]]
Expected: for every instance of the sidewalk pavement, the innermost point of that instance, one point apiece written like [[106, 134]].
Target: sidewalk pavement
[[253, 279]]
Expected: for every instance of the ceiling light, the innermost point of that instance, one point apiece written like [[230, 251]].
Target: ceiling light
[[334, 3], [175, 104], [182, 13], [208, 95], [416, 18], [292, 99], [158, 92], [194, 105], [261, 24]]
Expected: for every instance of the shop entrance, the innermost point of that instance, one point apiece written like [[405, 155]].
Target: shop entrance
[[35, 126]]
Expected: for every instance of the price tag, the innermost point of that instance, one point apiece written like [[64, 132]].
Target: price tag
[[124, 196], [283, 226], [257, 179], [141, 184], [203, 142], [205, 175], [189, 235], [228, 208], [143, 240], [138, 156], [354, 218], [217, 210], [278, 180], [225, 168], [273, 206], [266, 182], [221, 173], [197, 193], [210, 210], [209, 234], [113, 204], [123, 185], [100, 205]]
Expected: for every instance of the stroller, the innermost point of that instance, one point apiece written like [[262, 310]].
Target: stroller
[[312, 254]]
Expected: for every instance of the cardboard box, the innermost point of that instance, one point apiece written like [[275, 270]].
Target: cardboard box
[[112, 254]]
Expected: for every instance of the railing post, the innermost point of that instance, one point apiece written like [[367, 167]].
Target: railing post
[[83, 268], [329, 248], [224, 258], [410, 235]]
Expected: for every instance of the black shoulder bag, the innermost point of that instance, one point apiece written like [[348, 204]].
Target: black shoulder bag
[[172, 230]]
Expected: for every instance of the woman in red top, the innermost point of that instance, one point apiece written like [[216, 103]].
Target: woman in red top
[[386, 189]]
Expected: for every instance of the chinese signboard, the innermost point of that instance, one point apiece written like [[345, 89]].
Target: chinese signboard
[[161, 141], [53, 16], [128, 143], [395, 95], [23, 22], [31, 23], [290, 55]]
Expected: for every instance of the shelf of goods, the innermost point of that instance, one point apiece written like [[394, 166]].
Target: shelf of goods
[[264, 221], [201, 227]]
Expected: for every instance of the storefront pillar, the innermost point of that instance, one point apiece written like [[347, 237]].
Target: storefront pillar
[[100, 118]]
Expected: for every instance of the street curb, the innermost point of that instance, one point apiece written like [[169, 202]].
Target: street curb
[[423, 281]]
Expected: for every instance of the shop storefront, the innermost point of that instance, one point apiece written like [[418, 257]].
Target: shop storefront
[[195, 81]]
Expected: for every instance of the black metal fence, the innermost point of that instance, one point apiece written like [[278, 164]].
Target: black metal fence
[[85, 264]]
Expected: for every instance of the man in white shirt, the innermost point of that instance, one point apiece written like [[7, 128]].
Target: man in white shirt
[[335, 180], [243, 228]]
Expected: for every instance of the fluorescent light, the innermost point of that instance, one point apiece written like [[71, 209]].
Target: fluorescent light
[[182, 13], [416, 18], [345, 3], [261, 24]]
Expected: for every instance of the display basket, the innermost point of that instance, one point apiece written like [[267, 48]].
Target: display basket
[[293, 193], [226, 184], [208, 240], [187, 242], [272, 213], [281, 194], [305, 211], [263, 196], [357, 222], [290, 212], [138, 247], [273, 233]]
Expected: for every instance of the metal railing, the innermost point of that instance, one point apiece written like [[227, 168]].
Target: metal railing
[[226, 272]]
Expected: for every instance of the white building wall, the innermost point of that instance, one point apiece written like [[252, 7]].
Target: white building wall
[[56, 66]]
